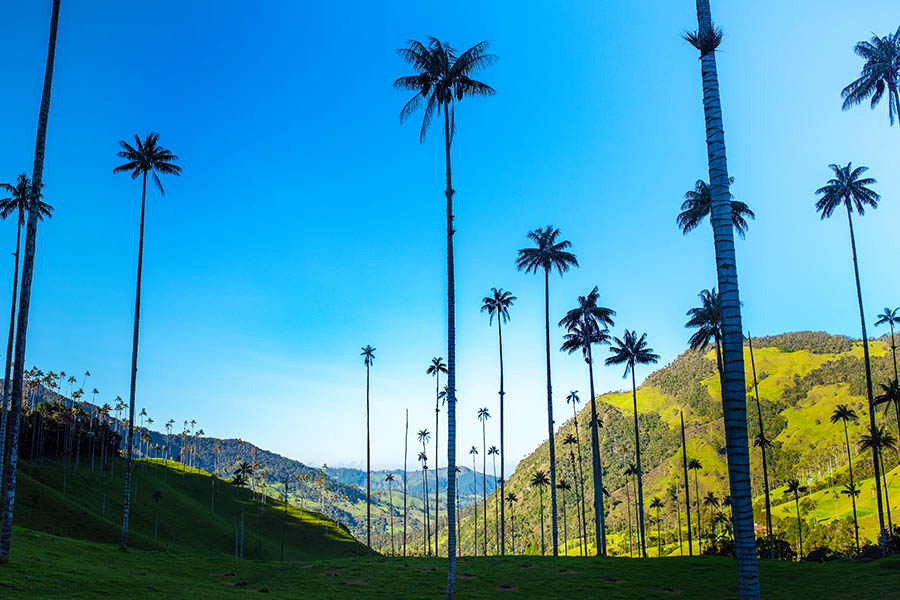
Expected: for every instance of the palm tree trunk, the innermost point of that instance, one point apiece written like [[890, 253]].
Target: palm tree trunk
[[555, 535], [658, 536], [512, 528], [451, 370], [8, 488], [799, 525], [687, 486], [405, 441], [502, 455], [628, 512], [865, 340], [129, 448], [475, 504], [484, 483], [680, 543], [541, 493], [496, 509], [599, 511], [887, 499], [9, 347], [640, 477], [369, 473], [565, 526], [733, 394], [579, 519], [391, 513], [427, 547], [697, 500], [765, 466], [437, 476]]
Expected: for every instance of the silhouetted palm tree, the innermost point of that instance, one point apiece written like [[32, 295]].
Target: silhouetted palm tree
[[368, 354], [795, 489], [629, 472], [656, 503], [698, 202], [673, 496], [145, 158], [435, 369], [539, 480], [548, 254], [762, 443], [710, 501], [483, 416], [631, 351], [695, 465], [494, 452], [511, 498], [687, 486], [497, 304], [845, 414], [890, 394], [564, 486], [878, 440], [891, 317], [850, 189], [8, 488], [424, 437], [587, 325], [706, 39], [852, 490], [443, 77], [880, 74], [570, 441], [707, 319], [473, 451], [390, 481]]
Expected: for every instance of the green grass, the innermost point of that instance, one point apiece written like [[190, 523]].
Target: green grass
[[46, 566]]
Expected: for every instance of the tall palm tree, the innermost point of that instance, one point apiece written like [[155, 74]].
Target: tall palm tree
[[511, 498], [389, 478], [17, 203], [424, 437], [8, 488], [497, 305], [570, 440], [145, 158], [890, 394], [707, 319], [405, 443], [878, 440], [849, 188], [853, 490], [630, 471], [494, 452], [473, 452], [656, 503], [687, 486], [589, 324], [706, 39], [539, 480], [368, 354], [564, 486], [880, 74], [548, 254], [483, 416], [672, 491], [763, 444], [698, 204], [795, 489], [891, 317], [695, 465], [631, 351], [435, 369], [442, 78], [845, 414], [710, 501]]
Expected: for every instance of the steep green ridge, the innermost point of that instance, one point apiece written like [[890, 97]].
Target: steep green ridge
[[802, 377], [188, 521]]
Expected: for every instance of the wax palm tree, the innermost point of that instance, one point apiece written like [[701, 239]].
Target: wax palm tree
[[707, 319], [435, 369], [443, 77], [763, 444], [631, 351], [497, 305], [880, 74], [795, 489], [695, 466], [483, 416], [570, 441], [511, 499], [473, 452], [389, 478], [564, 486], [145, 158], [890, 394], [710, 501], [8, 488], [853, 490], [849, 188], [706, 39], [424, 437], [243, 474], [368, 354], [629, 472], [891, 317], [539, 480], [698, 202], [845, 414], [672, 491], [587, 325], [656, 503], [548, 253], [17, 203], [878, 440], [687, 486], [494, 452]]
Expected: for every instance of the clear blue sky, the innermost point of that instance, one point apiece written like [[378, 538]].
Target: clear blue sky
[[309, 222]]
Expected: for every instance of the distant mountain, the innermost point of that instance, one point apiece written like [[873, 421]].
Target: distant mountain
[[465, 480]]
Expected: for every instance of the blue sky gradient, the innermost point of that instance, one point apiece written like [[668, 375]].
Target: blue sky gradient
[[308, 222]]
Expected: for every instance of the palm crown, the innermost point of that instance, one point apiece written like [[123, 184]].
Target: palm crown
[[890, 316], [880, 74], [424, 435], [847, 187], [441, 78], [368, 354], [147, 157], [19, 200], [698, 204], [581, 336], [497, 304], [707, 318], [844, 413], [631, 350], [588, 311], [483, 414], [437, 366], [573, 398], [540, 479], [877, 439], [548, 253]]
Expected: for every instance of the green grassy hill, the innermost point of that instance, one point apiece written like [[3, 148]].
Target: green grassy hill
[[193, 516], [802, 377]]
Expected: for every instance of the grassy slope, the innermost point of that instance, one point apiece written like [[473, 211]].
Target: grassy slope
[[186, 523], [48, 566]]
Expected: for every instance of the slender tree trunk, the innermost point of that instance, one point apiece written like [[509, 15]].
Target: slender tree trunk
[[687, 486], [770, 536], [129, 448], [475, 504], [496, 509], [581, 524], [887, 499], [678, 514], [541, 493], [565, 526], [405, 440], [555, 535], [437, 475], [865, 340], [391, 513], [369, 473], [8, 490], [502, 450], [425, 506], [451, 370], [799, 525], [697, 500], [599, 510], [512, 528], [658, 536], [640, 477], [734, 396], [628, 509], [484, 485], [9, 347], [855, 522]]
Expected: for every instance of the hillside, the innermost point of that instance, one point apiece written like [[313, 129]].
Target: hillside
[[802, 377]]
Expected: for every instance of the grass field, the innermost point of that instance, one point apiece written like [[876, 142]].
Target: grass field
[[45, 566]]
